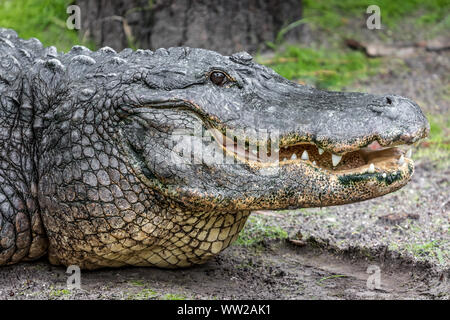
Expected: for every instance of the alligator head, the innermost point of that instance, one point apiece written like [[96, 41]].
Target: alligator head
[[277, 145], [157, 158]]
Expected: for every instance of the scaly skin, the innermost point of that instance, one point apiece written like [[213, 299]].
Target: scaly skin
[[90, 173]]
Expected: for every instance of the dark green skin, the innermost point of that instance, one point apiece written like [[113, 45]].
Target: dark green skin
[[87, 170]]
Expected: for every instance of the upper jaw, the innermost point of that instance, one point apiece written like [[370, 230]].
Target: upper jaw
[[384, 154], [336, 131], [370, 159]]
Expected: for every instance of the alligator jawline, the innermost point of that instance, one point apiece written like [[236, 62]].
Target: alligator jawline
[[363, 160]]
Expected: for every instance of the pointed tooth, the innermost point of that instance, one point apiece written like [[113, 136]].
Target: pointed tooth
[[294, 156], [409, 153], [384, 175], [401, 161], [305, 155], [320, 150], [314, 163], [284, 159], [371, 168], [335, 159]]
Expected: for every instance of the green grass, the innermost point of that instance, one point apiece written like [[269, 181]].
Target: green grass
[[332, 14], [45, 20], [173, 296], [440, 131], [147, 293], [437, 147], [320, 282], [433, 248], [258, 229], [138, 283], [144, 294], [326, 69], [59, 293]]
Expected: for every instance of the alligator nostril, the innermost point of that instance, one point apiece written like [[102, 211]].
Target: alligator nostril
[[388, 100]]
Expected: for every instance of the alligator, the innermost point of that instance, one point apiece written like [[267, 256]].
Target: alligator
[[98, 163]]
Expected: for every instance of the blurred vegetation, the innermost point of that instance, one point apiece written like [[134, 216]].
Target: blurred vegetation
[[437, 147], [42, 19], [331, 14], [46, 19], [322, 68]]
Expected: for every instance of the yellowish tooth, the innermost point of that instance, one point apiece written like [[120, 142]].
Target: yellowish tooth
[[335, 159], [409, 153], [401, 161], [371, 168], [320, 150], [305, 155], [294, 156]]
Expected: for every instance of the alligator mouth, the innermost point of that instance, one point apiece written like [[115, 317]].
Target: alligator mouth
[[370, 159]]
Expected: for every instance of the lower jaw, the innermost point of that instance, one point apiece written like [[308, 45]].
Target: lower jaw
[[323, 189]]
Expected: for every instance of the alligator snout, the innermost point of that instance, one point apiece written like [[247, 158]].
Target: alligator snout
[[403, 116], [391, 105]]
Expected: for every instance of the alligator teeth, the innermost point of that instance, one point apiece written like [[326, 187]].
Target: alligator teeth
[[371, 168], [384, 175], [314, 163], [320, 150], [401, 161], [335, 159], [409, 153], [294, 156], [305, 155], [284, 159]]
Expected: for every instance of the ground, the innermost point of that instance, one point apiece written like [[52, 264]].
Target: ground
[[339, 244], [321, 253]]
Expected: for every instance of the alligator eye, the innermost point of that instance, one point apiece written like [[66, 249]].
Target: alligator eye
[[218, 78]]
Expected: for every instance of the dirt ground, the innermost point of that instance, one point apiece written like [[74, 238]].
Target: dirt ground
[[276, 271], [329, 251], [322, 268]]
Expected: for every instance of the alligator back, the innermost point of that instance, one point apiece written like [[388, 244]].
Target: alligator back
[[22, 236]]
